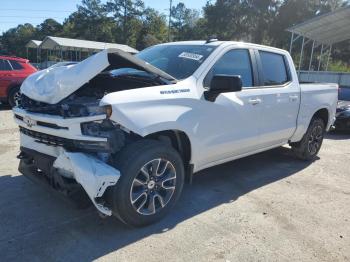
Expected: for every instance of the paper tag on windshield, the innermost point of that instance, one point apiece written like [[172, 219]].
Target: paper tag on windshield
[[190, 56]]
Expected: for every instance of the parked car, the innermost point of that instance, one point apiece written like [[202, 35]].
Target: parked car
[[342, 122], [13, 70], [130, 130]]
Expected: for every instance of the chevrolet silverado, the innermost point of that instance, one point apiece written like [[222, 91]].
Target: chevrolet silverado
[[129, 130]]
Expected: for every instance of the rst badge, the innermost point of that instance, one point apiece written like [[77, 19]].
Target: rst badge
[[29, 122]]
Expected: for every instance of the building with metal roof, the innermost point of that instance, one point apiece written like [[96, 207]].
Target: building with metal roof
[[322, 31], [33, 44], [69, 44], [53, 49]]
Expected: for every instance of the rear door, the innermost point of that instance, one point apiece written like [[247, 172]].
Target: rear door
[[280, 96]]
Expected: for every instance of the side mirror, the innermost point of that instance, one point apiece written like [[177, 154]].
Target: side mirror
[[223, 84]]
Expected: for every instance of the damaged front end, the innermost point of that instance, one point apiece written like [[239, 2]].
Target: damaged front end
[[68, 140], [77, 168], [72, 174]]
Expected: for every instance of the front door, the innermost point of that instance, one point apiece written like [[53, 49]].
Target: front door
[[233, 119]]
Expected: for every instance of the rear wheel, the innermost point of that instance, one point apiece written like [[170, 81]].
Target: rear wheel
[[152, 177], [310, 145], [13, 96]]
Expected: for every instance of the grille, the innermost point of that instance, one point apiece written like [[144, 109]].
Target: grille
[[45, 138], [69, 144]]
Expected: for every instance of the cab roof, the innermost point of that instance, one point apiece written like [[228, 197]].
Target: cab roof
[[226, 43]]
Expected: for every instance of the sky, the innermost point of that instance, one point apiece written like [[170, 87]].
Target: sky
[[14, 12]]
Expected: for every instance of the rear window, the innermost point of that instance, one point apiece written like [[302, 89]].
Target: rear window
[[274, 69], [4, 65], [16, 65]]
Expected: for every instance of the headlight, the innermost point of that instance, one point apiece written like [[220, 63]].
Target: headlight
[[107, 129], [85, 109], [99, 128]]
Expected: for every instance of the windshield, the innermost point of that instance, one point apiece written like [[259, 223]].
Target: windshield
[[179, 61]]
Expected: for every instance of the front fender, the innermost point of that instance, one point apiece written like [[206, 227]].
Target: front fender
[[144, 118]]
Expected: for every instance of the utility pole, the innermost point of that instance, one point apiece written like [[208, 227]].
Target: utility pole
[[171, 3]]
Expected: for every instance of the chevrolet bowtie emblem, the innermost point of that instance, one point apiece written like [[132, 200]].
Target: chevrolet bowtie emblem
[[29, 122]]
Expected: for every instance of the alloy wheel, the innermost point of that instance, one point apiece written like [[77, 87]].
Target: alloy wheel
[[315, 139], [153, 186]]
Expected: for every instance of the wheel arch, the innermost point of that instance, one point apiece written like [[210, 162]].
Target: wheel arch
[[10, 87], [177, 139], [322, 113], [303, 122]]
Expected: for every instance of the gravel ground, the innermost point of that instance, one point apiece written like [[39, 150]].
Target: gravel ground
[[266, 207]]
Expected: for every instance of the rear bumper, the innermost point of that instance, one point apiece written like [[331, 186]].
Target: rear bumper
[[71, 174]]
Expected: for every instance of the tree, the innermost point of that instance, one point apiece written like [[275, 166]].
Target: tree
[[49, 27], [183, 21], [127, 15], [154, 29], [15, 39], [90, 22], [226, 20]]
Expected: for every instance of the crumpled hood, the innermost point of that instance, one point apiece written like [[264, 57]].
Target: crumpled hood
[[51, 85]]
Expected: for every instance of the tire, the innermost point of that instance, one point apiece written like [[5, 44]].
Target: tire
[[13, 96], [310, 145], [131, 198]]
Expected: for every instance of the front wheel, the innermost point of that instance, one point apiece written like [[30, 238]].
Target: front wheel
[[310, 145], [151, 181]]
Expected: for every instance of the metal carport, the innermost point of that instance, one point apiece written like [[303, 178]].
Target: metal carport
[[324, 30], [72, 49], [33, 44]]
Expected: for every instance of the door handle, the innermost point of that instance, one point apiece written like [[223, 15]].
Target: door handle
[[293, 97], [254, 101]]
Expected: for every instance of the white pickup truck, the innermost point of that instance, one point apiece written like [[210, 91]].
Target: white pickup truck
[[129, 130]]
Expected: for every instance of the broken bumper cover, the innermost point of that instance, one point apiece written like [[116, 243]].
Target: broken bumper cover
[[92, 174]]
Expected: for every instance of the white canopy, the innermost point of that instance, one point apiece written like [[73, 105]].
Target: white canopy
[[69, 44], [330, 28], [33, 44]]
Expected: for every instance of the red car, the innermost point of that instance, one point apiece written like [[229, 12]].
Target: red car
[[13, 70]]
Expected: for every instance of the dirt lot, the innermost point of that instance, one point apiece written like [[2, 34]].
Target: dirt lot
[[267, 207]]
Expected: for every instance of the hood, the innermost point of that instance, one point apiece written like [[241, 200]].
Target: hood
[[56, 83]]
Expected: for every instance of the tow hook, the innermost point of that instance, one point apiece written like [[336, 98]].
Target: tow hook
[[21, 155]]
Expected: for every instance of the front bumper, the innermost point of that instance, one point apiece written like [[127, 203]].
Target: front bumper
[[54, 148], [70, 173]]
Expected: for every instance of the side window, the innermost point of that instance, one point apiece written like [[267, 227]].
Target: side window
[[274, 69], [16, 65], [4, 65], [234, 62]]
